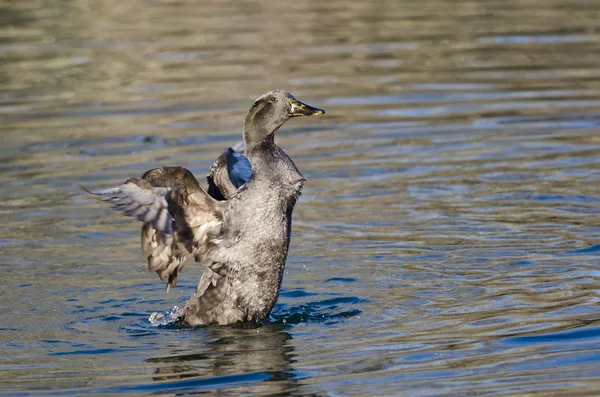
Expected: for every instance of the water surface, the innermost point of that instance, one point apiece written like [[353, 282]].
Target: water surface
[[447, 240]]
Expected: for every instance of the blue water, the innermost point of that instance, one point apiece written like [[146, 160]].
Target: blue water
[[446, 242]]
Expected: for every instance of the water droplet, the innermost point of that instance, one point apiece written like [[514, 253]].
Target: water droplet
[[166, 318]]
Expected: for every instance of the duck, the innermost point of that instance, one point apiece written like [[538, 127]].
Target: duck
[[239, 231]]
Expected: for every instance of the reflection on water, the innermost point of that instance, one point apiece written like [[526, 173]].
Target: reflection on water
[[237, 359], [447, 240]]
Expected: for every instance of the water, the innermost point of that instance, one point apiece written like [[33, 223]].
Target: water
[[447, 240]]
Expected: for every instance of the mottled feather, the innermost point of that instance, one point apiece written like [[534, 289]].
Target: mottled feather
[[177, 213]]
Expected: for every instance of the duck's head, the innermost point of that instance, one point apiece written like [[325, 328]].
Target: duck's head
[[270, 111]]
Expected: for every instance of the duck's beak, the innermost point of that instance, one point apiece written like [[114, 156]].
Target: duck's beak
[[302, 109]]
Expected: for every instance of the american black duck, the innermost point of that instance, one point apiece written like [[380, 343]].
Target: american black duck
[[239, 233]]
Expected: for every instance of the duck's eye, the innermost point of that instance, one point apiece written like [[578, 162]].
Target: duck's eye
[[273, 99]]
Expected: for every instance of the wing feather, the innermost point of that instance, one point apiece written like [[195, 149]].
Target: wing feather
[[228, 173], [179, 217]]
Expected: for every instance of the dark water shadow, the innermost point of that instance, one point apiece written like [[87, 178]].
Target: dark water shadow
[[327, 311]]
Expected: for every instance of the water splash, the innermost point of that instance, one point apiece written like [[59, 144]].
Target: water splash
[[164, 318]]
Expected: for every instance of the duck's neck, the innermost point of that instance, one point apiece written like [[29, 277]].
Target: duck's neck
[[259, 128], [253, 140], [259, 151], [256, 133]]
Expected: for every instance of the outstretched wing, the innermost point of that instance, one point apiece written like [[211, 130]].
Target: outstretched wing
[[179, 217], [230, 171], [140, 199]]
